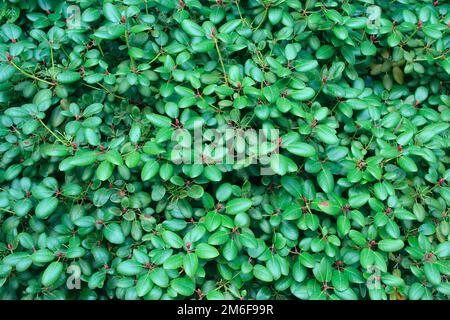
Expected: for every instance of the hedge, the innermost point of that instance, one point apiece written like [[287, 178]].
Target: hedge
[[114, 118]]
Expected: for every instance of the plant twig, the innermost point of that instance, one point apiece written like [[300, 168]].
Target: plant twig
[[103, 88], [51, 57], [220, 57], [29, 75], [128, 46], [64, 142], [6, 210], [263, 18]]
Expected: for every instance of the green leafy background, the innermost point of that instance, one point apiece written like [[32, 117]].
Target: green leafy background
[[357, 207]]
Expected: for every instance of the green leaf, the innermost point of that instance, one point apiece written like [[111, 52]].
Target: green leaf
[[306, 65], [114, 157], [83, 158], [390, 245], [325, 180], [301, 149], [183, 286], [326, 134], [430, 131], [158, 121], [54, 150], [302, 94], [394, 39], [230, 250], [407, 164], [368, 48], [343, 225], [217, 14], [172, 239], [206, 251], [432, 273], [129, 268], [340, 32], [46, 207], [293, 212], [323, 270], [212, 173], [104, 171], [392, 280], [203, 46], [52, 273], [292, 185], [357, 200], [421, 94], [150, 169], [97, 279], [159, 277], [6, 72], [68, 77], [290, 51], [113, 233], [339, 280], [248, 240], [230, 26], [325, 52], [144, 285], [238, 205], [192, 29], [432, 31], [416, 291], [262, 273], [173, 262], [190, 264], [366, 258], [111, 12], [11, 31]]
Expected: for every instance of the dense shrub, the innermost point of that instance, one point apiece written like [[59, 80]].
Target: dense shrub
[[347, 198]]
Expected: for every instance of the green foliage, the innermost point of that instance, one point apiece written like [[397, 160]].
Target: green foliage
[[355, 207]]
